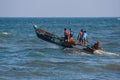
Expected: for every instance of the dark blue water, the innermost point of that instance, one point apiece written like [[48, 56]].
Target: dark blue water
[[23, 56]]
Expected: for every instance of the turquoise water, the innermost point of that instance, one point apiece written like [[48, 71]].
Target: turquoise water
[[23, 56]]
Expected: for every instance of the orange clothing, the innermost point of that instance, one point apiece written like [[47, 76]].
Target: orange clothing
[[80, 34], [71, 39], [66, 32]]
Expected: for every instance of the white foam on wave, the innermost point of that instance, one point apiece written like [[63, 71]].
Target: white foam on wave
[[118, 18], [75, 51], [5, 33], [106, 53], [82, 52]]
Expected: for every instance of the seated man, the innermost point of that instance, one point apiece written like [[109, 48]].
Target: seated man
[[97, 45], [71, 39]]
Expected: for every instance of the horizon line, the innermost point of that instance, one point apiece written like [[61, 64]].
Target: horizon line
[[58, 17]]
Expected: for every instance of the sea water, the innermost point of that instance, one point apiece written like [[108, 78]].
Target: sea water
[[23, 56]]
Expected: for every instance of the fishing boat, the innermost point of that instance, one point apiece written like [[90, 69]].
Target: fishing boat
[[52, 38], [49, 37]]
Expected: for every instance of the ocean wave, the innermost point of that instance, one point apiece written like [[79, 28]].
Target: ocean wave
[[2, 41], [82, 52], [106, 53], [112, 67], [118, 18], [113, 44], [75, 51], [28, 41], [3, 47], [4, 33], [39, 43]]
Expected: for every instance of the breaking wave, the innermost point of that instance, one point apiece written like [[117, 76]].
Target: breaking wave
[[4, 33], [82, 52], [106, 53]]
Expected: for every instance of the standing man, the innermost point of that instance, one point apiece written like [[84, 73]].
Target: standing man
[[66, 34], [71, 32], [80, 34], [84, 38]]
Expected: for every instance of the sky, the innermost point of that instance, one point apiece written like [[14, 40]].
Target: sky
[[59, 8]]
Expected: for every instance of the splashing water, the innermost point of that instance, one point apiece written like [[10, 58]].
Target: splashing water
[[106, 53], [4, 33]]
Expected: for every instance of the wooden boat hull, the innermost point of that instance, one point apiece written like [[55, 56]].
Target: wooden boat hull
[[92, 50], [89, 50]]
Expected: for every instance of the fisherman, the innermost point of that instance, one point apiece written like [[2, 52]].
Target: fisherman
[[80, 36], [84, 38], [66, 34], [71, 39], [71, 32], [97, 45]]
